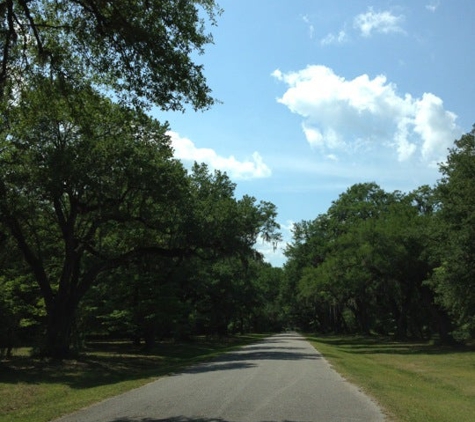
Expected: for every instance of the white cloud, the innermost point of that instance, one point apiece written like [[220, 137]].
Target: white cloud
[[366, 24], [186, 150], [311, 27], [382, 22], [435, 125], [331, 38], [432, 7], [314, 136], [362, 114]]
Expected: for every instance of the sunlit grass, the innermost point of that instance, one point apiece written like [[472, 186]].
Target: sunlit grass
[[413, 382], [38, 391]]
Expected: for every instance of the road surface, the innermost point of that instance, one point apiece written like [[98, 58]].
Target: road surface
[[280, 379]]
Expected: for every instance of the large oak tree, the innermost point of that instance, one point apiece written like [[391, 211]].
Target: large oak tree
[[87, 185]]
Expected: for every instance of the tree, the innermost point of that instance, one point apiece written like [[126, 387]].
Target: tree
[[264, 297], [363, 265], [140, 49], [86, 186], [232, 226], [306, 252], [454, 278], [206, 290], [342, 280], [223, 231]]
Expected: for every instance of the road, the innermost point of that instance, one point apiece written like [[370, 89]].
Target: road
[[280, 379]]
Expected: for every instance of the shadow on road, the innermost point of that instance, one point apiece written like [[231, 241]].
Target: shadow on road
[[177, 419], [282, 337], [217, 366], [249, 357]]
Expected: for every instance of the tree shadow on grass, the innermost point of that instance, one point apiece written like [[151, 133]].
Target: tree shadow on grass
[[85, 372], [107, 363], [112, 362], [384, 345]]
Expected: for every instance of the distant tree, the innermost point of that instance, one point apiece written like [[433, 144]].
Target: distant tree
[[266, 313], [223, 231], [363, 265], [344, 278], [206, 290], [307, 251]]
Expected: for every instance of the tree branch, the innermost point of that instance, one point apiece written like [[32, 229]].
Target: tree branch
[[32, 260], [26, 9], [6, 47]]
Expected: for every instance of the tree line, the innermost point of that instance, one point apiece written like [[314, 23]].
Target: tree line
[[104, 232], [391, 263]]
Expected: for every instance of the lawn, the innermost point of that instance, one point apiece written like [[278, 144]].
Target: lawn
[[413, 382], [36, 390]]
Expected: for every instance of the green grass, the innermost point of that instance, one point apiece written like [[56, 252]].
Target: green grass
[[413, 382], [38, 391]]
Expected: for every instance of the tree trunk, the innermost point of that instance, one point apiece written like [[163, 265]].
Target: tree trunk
[[362, 317], [58, 331], [440, 318], [149, 336], [401, 320]]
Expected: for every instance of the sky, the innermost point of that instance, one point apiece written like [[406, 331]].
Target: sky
[[317, 95]]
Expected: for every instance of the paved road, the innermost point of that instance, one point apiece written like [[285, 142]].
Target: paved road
[[280, 379]]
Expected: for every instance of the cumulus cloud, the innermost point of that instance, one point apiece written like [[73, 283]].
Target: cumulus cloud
[[186, 150], [380, 22], [361, 114], [434, 125]]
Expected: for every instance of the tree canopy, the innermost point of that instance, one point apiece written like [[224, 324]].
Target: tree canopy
[[140, 50]]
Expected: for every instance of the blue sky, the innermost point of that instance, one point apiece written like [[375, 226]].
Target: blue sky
[[320, 95]]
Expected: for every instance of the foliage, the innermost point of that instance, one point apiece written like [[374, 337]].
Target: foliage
[[391, 263], [454, 279], [107, 231], [212, 290], [102, 231], [139, 49], [87, 185], [362, 266]]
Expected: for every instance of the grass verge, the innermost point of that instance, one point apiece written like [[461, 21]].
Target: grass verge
[[413, 382], [38, 391]]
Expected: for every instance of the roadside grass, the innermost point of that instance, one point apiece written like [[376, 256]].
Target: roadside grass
[[38, 390], [412, 381]]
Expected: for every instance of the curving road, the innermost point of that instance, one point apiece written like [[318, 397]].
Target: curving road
[[281, 379]]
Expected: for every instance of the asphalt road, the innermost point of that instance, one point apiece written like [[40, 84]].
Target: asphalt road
[[280, 379]]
